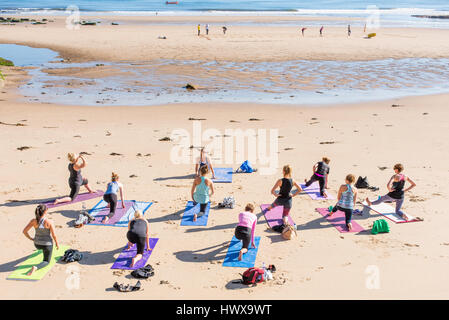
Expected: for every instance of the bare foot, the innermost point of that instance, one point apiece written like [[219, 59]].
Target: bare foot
[[369, 202], [349, 226], [405, 217], [324, 195], [305, 180], [240, 255], [133, 261], [194, 217], [105, 219], [33, 269]]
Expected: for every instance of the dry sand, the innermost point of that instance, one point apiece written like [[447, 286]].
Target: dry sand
[[139, 42], [321, 264]]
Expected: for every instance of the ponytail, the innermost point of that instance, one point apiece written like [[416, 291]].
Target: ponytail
[[39, 212]]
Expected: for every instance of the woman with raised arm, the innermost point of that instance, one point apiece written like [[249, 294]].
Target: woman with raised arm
[[75, 180], [204, 160], [202, 190]]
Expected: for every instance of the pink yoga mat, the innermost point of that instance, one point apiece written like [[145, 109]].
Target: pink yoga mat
[[314, 192], [338, 221], [81, 197], [119, 212], [274, 216]]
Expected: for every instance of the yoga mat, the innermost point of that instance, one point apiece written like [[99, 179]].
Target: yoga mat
[[33, 260], [124, 259], [121, 217], [81, 197], [187, 217], [314, 192], [274, 216], [338, 221], [248, 259], [222, 175], [389, 212]]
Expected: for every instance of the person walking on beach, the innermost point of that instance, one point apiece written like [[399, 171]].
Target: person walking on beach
[[204, 160], [207, 29], [347, 197], [302, 31], [202, 190], [284, 197], [110, 196], [224, 29], [44, 236], [246, 228], [321, 31], [199, 29], [349, 30], [139, 234], [75, 179], [320, 173], [396, 190]]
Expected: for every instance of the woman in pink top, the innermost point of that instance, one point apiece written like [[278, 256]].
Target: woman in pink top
[[245, 229]]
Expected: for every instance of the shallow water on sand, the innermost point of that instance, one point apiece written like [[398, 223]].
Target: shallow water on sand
[[162, 81]]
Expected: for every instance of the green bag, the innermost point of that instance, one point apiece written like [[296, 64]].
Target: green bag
[[380, 226]]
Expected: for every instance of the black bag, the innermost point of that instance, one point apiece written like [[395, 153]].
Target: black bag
[[279, 228], [143, 273], [127, 288], [72, 255], [362, 183]]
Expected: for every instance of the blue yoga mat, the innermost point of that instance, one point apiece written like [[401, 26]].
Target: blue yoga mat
[[223, 175], [248, 259], [187, 217]]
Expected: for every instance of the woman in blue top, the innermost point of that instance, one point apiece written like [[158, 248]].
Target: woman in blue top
[[202, 190], [347, 197], [110, 196]]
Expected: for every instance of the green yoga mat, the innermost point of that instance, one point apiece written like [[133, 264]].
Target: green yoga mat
[[34, 259]]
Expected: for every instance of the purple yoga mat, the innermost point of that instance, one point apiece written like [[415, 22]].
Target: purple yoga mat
[[314, 192], [338, 221], [81, 197], [274, 216], [124, 259], [119, 212]]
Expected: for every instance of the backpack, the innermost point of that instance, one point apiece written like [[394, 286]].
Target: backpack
[[362, 183], [72, 255], [289, 232], [143, 273], [253, 276], [380, 226], [246, 167]]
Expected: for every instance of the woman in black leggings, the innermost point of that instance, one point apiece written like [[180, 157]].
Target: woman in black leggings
[[138, 233], [320, 173], [75, 179], [45, 231]]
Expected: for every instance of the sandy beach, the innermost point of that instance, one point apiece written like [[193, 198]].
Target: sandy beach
[[365, 139]]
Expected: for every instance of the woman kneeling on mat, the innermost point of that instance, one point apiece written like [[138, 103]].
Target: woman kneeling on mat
[[200, 191], [245, 229], [204, 160], [320, 174], [138, 233], [110, 196], [396, 190], [45, 231], [75, 179], [284, 198], [347, 197]]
